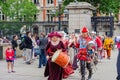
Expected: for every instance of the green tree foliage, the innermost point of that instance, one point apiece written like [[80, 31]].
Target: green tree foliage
[[17, 9], [103, 6]]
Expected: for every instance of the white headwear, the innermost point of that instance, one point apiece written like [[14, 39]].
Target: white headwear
[[93, 32]]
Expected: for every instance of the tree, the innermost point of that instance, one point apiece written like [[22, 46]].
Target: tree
[[16, 10], [103, 6]]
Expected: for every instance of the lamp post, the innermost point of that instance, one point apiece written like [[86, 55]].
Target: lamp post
[[59, 13], [94, 19], [111, 23]]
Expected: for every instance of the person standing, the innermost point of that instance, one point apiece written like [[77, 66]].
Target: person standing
[[43, 41], [23, 31], [108, 44], [35, 49], [14, 44], [28, 47], [10, 58], [118, 58]]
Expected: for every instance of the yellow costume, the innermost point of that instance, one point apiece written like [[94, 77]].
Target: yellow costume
[[108, 43]]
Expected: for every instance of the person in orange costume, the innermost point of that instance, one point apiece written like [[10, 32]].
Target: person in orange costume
[[108, 42]]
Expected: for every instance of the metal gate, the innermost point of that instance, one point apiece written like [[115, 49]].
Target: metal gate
[[103, 23]]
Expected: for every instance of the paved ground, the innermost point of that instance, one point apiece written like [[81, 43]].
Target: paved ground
[[106, 70]]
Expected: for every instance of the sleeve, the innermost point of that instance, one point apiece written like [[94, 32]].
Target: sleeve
[[13, 44], [99, 43], [63, 47], [6, 54], [104, 44], [112, 41]]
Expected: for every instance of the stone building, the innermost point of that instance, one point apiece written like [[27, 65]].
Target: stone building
[[46, 21]]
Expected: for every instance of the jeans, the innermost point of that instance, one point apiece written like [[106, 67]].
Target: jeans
[[118, 65], [15, 54], [42, 58]]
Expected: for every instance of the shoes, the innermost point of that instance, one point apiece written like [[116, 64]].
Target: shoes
[[39, 67], [83, 78], [89, 78], [13, 71], [28, 62], [24, 62]]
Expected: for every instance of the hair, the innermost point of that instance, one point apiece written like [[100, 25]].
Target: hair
[[28, 32], [43, 34], [14, 36]]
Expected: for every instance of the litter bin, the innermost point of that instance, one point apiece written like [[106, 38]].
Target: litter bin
[[1, 52]]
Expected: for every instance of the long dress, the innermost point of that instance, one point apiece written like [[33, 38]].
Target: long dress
[[52, 70]]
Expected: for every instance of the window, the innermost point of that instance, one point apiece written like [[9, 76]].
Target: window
[[35, 17], [49, 16], [2, 16], [50, 1], [36, 1]]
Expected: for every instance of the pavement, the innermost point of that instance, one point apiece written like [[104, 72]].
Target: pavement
[[105, 70]]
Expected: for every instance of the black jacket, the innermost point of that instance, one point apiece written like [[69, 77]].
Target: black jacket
[[28, 42], [14, 44]]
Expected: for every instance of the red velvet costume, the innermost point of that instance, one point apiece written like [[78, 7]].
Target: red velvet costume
[[53, 70]]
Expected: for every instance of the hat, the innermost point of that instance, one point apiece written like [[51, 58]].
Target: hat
[[93, 32], [84, 30], [55, 33]]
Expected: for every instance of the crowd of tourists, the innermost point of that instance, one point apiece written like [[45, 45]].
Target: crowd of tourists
[[61, 54]]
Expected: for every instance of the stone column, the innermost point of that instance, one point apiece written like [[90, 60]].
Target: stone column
[[80, 14]]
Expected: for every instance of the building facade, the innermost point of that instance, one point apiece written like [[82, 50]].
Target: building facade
[[48, 22]]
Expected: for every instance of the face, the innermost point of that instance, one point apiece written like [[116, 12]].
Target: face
[[29, 34], [54, 38], [16, 37], [92, 34], [84, 34]]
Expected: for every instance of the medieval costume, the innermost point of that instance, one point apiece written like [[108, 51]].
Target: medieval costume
[[98, 45], [108, 44], [53, 70], [83, 55]]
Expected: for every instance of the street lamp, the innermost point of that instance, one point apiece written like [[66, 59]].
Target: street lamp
[[59, 13]]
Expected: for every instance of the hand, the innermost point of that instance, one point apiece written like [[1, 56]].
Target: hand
[[10, 57], [47, 57]]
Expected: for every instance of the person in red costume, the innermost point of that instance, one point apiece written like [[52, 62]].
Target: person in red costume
[[53, 70], [10, 58], [99, 44], [83, 55]]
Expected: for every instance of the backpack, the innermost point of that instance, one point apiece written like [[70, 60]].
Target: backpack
[[22, 45]]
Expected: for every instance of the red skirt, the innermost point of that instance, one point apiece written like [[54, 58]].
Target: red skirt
[[67, 71]]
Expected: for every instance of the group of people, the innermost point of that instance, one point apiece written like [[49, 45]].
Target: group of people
[[87, 48]]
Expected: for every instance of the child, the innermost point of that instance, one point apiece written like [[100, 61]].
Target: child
[[10, 58]]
